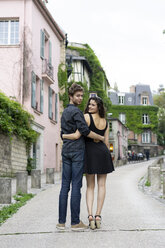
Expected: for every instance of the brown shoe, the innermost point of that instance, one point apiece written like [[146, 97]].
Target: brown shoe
[[79, 227], [60, 226]]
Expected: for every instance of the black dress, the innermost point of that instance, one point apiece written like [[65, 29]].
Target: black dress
[[97, 156]]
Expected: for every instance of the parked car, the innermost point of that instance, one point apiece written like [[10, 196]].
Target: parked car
[[140, 156]]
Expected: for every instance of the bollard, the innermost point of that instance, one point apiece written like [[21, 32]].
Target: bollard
[[164, 185], [50, 175], [149, 174], [161, 162], [22, 182], [5, 190], [155, 178], [36, 179]]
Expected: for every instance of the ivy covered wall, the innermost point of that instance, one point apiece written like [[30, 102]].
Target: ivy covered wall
[[97, 78], [15, 120], [134, 114]]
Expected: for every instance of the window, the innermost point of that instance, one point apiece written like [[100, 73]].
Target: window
[[110, 130], [122, 118], [51, 92], [129, 99], [9, 32], [145, 100], [146, 137], [37, 93], [45, 47], [33, 90], [53, 105], [92, 94], [121, 99], [145, 119], [56, 108], [41, 95], [46, 55], [110, 126]]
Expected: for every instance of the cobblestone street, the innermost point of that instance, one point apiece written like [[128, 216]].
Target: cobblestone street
[[130, 218]]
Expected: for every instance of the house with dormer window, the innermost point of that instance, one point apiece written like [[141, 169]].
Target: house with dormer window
[[80, 70], [32, 46], [135, 109], [79, 67]]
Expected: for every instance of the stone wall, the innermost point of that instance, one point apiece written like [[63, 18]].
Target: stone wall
[[13, 156]]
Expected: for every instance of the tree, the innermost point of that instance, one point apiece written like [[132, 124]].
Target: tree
[[159, 100], [116, 87]]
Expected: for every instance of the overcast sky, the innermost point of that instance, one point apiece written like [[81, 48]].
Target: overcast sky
[[126, 35]]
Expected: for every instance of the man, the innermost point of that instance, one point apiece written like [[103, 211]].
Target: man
[[73, 158]]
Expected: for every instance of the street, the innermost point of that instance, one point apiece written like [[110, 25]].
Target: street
[[129, 218]]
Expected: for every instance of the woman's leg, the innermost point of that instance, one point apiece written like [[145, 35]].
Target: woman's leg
[[90, 192], [101, 181]]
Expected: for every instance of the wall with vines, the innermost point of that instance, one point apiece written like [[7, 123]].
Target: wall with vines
[[134, 117], [97, 78], [15, 120]]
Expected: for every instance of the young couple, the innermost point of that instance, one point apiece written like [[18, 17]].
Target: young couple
[[85, 150]]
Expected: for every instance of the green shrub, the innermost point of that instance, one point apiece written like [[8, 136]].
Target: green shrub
[[15, 120], [7, 211]]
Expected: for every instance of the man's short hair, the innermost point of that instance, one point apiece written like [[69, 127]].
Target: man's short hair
[[74, 88]]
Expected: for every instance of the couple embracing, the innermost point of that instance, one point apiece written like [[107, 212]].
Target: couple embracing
[[85, 150]]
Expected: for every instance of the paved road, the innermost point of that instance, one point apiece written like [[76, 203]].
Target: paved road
[[130, 218]]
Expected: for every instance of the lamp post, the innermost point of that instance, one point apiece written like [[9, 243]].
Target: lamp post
[[118, 135]]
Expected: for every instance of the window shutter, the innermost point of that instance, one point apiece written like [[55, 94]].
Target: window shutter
[[33, 90], [50, 103], [56, 108], [41, 95], [50, 53], [42, 44]]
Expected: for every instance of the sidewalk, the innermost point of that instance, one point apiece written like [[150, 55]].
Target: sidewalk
[[130, 219], [147, 189], [44, 186]]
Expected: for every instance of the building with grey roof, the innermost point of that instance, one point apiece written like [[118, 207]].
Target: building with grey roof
[[139, 95]]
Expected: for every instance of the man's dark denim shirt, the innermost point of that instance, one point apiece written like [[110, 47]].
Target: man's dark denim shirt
[[71, 120]]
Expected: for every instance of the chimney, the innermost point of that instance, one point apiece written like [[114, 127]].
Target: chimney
[[132, 89], [45, 1]]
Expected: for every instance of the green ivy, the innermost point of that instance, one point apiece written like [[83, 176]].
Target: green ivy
[[15, 120], [20, 200], [97, 77], [134, 116], [64, 86]]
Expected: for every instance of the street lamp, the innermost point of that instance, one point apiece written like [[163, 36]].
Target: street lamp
[[118, 135]]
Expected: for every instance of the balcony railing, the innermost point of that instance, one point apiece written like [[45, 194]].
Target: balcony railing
[[47, 71]]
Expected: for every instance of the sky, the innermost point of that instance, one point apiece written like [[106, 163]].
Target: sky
[[126, 36]]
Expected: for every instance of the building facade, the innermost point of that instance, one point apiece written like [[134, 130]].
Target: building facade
[[136, 110], [79, 69], [118, 140], [78, 66], [31, 49]]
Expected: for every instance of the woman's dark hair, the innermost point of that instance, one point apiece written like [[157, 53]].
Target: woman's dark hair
[[100, 106]]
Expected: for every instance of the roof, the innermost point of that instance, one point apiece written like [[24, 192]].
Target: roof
[[76, 57], [143, 89], [73, 52], [49, 18], [132, 98]]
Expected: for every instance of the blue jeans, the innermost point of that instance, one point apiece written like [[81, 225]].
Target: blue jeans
[[73, 167]]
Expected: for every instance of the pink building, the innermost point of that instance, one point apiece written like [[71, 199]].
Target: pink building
[[31, 49], [118, 140]]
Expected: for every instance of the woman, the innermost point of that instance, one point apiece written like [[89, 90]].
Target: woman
[[98, 159]]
